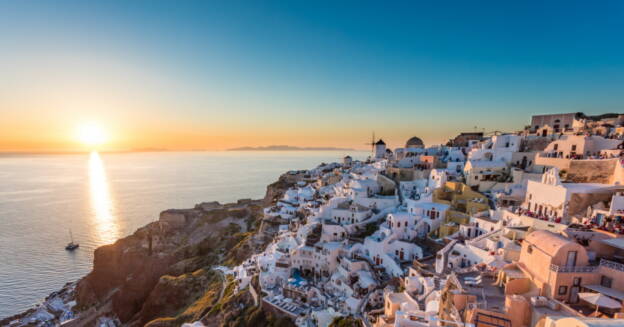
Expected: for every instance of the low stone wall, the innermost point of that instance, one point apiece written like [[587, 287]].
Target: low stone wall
[[561, 163]]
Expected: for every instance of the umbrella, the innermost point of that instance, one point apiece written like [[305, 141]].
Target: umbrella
[[600, 300], [497, 263]]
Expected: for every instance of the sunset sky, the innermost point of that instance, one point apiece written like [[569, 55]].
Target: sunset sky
[[207, 75]]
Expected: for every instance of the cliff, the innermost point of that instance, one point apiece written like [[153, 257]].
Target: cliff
[[162, 274]]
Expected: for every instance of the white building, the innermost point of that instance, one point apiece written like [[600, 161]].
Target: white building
[[551, 198], [380, 149], [431, 213], [497, 148], [579, 146], [483, 172], [437, 178], [350, 212]]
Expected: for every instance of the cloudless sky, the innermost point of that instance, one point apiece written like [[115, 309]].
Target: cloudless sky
[[215, 75]]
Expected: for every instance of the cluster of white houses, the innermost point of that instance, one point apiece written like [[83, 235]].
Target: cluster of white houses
[[516, 229]]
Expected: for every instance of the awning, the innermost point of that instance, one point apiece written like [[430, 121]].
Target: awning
[[606, 291], [600, 300], [615, 242]]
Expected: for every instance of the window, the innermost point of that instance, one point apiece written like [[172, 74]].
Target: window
[[577, 281], [556, 147], [563, 290], [530, 249], [574, 147], [571, 260], [606, 281]]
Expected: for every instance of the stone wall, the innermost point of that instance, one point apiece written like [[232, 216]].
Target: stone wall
[[579, 202], [591, 171]]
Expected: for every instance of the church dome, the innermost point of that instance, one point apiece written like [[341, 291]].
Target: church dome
[[414, 142]]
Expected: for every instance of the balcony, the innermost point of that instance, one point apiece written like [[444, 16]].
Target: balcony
[[573, 269], [612, 265]]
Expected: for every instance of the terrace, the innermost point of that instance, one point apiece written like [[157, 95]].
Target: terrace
[[286, 305]]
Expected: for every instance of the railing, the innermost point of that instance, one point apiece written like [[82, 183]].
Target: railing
[[572, 269], [611, 264]]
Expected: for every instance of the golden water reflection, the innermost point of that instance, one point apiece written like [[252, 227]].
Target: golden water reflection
[[106, 226]]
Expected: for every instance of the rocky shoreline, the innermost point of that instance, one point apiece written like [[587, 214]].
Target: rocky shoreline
[[162, 274]]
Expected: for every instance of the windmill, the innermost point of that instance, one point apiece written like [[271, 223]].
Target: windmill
[[372, 144]]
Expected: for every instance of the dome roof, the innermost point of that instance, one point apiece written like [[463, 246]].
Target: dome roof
[[547, 241], [414, 142]]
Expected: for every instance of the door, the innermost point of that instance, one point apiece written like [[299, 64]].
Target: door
[[574, 290], [571, 261], [574, 294]]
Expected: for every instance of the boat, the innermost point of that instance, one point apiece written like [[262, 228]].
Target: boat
[[71, 246]]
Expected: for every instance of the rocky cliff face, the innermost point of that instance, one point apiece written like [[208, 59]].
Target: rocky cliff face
[[163, 267], [161, 276]]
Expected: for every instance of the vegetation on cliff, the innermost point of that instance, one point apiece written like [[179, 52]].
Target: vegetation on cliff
[[346, 322]]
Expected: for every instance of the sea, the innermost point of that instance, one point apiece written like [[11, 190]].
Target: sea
[[97, 198]]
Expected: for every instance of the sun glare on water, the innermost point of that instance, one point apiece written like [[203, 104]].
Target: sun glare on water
[[91, 135]]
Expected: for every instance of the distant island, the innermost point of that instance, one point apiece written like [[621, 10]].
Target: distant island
[[288, 148]]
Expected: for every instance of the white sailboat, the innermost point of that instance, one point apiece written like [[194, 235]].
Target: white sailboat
[[71, 246]]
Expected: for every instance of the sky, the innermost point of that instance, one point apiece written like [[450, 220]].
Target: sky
[[185, 75]]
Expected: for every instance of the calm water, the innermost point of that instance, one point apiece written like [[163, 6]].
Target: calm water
[[105, 197]]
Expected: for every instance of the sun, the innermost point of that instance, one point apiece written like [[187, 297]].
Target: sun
[[91, 134]]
